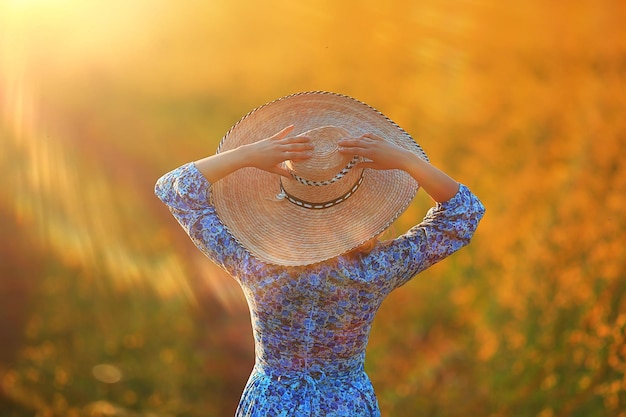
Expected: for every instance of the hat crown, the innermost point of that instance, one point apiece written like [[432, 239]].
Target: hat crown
[[325, 159]]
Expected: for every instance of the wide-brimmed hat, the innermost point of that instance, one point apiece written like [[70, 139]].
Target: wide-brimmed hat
[[330, 206]]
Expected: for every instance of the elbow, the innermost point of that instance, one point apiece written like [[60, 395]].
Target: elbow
[[162, 188]]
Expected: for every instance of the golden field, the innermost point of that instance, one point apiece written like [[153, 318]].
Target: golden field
[[106, 308]]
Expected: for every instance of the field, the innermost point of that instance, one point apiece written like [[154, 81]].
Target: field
[[107, 309]]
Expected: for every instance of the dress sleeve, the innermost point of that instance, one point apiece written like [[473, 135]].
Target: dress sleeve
[[186, 192], [446, 228]]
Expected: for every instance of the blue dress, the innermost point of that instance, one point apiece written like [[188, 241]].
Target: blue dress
[[311, 324]]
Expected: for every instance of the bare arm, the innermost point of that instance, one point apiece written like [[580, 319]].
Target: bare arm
[[386, 155], [266, 154]]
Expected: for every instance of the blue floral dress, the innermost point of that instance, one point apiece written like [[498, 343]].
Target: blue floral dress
[[311, 324]]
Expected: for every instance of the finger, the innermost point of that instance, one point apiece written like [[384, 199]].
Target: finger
[[355, 149], [371, 136], [298, 140], [362, 141], [297, 156], [283, 132], [295, 152], [350, 143], [299, 146]]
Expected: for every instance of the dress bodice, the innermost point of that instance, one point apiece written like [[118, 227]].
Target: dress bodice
[[315, 318]]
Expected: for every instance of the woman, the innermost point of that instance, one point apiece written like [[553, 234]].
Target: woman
[[291, 206]]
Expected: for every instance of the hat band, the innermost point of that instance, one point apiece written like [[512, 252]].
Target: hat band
[[340, 175], [318, 206]]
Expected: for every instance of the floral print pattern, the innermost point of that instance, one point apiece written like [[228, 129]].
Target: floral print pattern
[[311, 324]]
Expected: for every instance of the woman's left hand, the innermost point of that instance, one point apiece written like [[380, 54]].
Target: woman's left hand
[[381, 154]]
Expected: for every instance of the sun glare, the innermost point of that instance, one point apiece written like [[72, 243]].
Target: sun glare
[[54, 190], [67, 35]]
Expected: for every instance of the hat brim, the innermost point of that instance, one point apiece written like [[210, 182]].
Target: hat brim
[[279, 232]]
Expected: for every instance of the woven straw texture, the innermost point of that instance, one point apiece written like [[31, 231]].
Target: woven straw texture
[[277, 231]]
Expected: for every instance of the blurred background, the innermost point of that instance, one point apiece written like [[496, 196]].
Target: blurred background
[[107, 309]]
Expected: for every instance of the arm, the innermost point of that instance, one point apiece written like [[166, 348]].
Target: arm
[[266, 154], [386, 155], [186, 191], [446, 227]]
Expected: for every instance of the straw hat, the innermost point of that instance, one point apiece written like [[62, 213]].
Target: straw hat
[[330, 205]]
